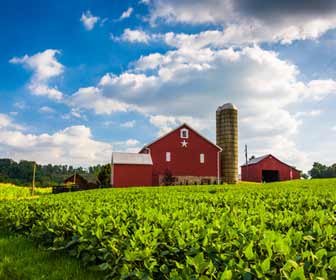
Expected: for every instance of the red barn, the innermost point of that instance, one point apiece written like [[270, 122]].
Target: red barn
[[131, 169], [182, 156], [268, 169]]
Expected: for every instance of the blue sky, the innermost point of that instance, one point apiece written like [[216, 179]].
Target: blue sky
[[82, 78]]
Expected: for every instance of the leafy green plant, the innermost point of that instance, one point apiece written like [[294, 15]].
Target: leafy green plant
[[247, 231]]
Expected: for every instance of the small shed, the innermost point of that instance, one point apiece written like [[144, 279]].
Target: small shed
[[76, 179], [131, 169], [268, 168]]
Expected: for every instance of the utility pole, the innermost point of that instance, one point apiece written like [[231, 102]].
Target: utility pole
[[33, 184], [246, 160]]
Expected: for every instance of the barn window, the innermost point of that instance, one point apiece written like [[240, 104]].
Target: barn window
[[167, 156], [184, 133], [202, 158]]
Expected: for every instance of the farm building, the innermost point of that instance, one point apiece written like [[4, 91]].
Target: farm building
[[182, 156], [76, 179], [131, 169], [268, 168], [80, 180]]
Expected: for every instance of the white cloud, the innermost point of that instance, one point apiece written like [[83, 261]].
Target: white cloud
[[250, 22], [133, 36], [43, 90], [127, 13], [45, 67], [128, 124], [130, 146], [4, 121], [44, 64], [313, 113], [46, 109], [7, 122], [319, 89], [333, 128], [187, 85], [91, 98], [89, 21], [73, 145]]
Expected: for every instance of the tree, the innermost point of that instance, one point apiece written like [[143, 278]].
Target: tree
[[104, 175], [168, 178], [322, 171], [304, 176]]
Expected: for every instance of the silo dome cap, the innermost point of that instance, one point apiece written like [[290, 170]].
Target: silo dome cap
[[227, 106]]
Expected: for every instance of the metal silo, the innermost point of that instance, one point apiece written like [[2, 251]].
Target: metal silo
[[227, 139]]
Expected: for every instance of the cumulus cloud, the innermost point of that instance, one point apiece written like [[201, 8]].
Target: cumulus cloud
[[252, 21], [6, 122], [127, 13], [133, 36], [166, 123], [45, 67], [89, 21], [187, 85], [91, 98], [73, 145]]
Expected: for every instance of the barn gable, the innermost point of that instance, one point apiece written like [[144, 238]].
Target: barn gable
[[186, 155], [181, 127], [268, 168], [264, 157]]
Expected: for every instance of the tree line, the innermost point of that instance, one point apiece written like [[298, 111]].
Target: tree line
[[21, 173], [323, 171]]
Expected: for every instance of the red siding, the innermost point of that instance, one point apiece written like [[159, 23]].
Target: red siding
[[253, 172], [185, 161], [128, 175]]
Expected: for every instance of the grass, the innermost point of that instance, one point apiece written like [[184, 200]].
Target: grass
[[12, 192], [21, 259]]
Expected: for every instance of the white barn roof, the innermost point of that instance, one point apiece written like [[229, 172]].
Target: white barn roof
[[131, 158], [259, 159], [256, 160]]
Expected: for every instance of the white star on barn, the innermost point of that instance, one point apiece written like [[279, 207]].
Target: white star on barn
[[184, 144]]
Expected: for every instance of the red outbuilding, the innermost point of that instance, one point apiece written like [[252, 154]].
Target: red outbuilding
[[182, 156], [268, 169], [131, 169]]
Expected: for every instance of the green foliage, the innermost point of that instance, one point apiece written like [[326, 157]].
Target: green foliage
[[21, 260], [104, 175], [12, 192], [46, 175], [246, 231], [322, 171]]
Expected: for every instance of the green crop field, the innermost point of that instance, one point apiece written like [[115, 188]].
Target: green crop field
[[12, 192], [246, 231]]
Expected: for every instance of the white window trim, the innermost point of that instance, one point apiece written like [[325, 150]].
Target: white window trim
[[168, 156], [182, 131], [202, 158]]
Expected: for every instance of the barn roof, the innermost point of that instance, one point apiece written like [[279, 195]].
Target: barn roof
[[256, 160], [182, 125], [131, 158], [261, 158]]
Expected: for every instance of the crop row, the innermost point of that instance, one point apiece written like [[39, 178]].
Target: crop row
[[12, 192], [208, 232]]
